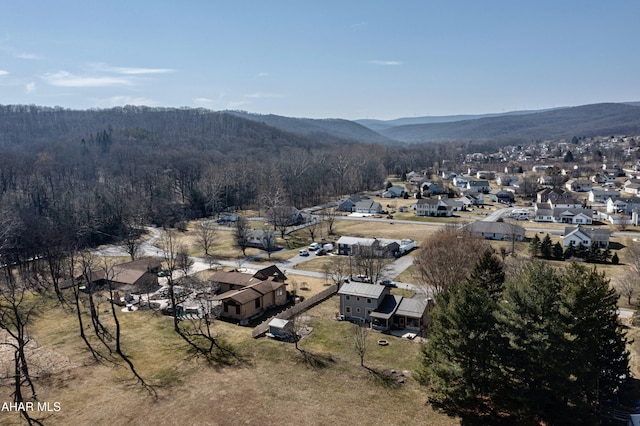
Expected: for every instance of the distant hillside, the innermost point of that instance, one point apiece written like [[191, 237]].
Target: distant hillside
[[379, 125], [589, 120], [339, 128]]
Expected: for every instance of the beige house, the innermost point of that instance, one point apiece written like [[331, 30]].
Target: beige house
[[139, 276], [245, 296]]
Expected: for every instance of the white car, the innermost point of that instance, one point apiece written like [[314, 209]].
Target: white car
[[314, 246], [303, 252]]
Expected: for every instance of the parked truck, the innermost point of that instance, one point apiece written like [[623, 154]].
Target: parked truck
[[406, 246]]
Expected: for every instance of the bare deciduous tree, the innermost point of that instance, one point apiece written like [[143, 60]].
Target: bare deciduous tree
[[241, 234], [336, 269], [368, 262], [17, 308], [205, 237], [360, 334], [329, 216], [446, 259], [628, 285]]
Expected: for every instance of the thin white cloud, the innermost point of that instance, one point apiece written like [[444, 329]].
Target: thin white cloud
[[30, 87], [263, 74], [124, 100], [378, 62], [3, 72], [27, 56], [260, 95], [236, 104], [205, 102], [66, 79], [358, 26], [130, 70]]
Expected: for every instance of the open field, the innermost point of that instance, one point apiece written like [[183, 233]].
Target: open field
[[273, 384]]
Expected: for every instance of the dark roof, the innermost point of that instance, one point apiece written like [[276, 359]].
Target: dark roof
[[270, 271], [387, 307]]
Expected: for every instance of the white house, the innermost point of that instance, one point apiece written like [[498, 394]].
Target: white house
[[579, 235]]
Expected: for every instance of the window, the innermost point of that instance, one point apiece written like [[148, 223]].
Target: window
[[368, 300], [358, 310], [226, 307], [347, 297], [357, 299], [280, 291], [348, 309]]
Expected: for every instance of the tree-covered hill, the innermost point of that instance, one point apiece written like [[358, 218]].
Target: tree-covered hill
[[589, 120]]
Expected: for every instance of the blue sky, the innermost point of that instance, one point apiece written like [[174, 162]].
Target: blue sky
[[321, 59]]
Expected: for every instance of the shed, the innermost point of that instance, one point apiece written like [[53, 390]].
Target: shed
[[280, 328]]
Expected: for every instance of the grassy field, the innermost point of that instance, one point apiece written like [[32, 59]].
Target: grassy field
[[273, 384]]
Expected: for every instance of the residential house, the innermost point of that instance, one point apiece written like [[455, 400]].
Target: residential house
[[471, 199], [139, 276], [501, 196], [478, 186], [432, 188], [505, 180], [495, 230], [485, 175], [395, 191], [349, 204], [285, 216], [546, 212], [578, 185], [623, 205], [433, 207], [380, 247], [602, 195], [461, 181], [578, 235], [551, 194], [414, 184], [359, 300], [260, 238], [375, 304], [245, 296], [632, 188], [368, 207]]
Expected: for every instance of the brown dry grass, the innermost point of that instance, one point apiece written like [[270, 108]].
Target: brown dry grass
[[273, 386]]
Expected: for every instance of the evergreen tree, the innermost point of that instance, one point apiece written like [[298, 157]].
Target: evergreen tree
[[614, 259], [488, 274], [534, 246], [546, 247], [533, 359], [558, 251], [598, 358], [458, 359]]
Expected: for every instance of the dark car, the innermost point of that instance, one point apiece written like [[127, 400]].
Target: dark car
[[388, 283], [320, 252]]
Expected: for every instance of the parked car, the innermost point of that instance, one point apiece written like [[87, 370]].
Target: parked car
[[388, 283], [361, 278], [328, 247], [303, 252], [314, 246], [321, 252]]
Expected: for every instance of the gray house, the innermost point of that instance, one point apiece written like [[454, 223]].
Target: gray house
[[359, 300], [368, 206], [495, 230]]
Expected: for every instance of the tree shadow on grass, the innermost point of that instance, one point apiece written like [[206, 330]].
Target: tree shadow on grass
[[386, 378], [316, 361]]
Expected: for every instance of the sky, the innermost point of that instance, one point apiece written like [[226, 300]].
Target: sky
[[321, 59]]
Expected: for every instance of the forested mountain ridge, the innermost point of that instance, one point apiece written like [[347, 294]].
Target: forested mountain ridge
[[588, 120], [309, 127], [82, 178]]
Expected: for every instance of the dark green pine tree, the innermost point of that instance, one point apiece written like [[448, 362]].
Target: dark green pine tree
[[459, 358], [558, 251], [598, 356], [546, 247], [533, 359], [534, 246], [488, 273]]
